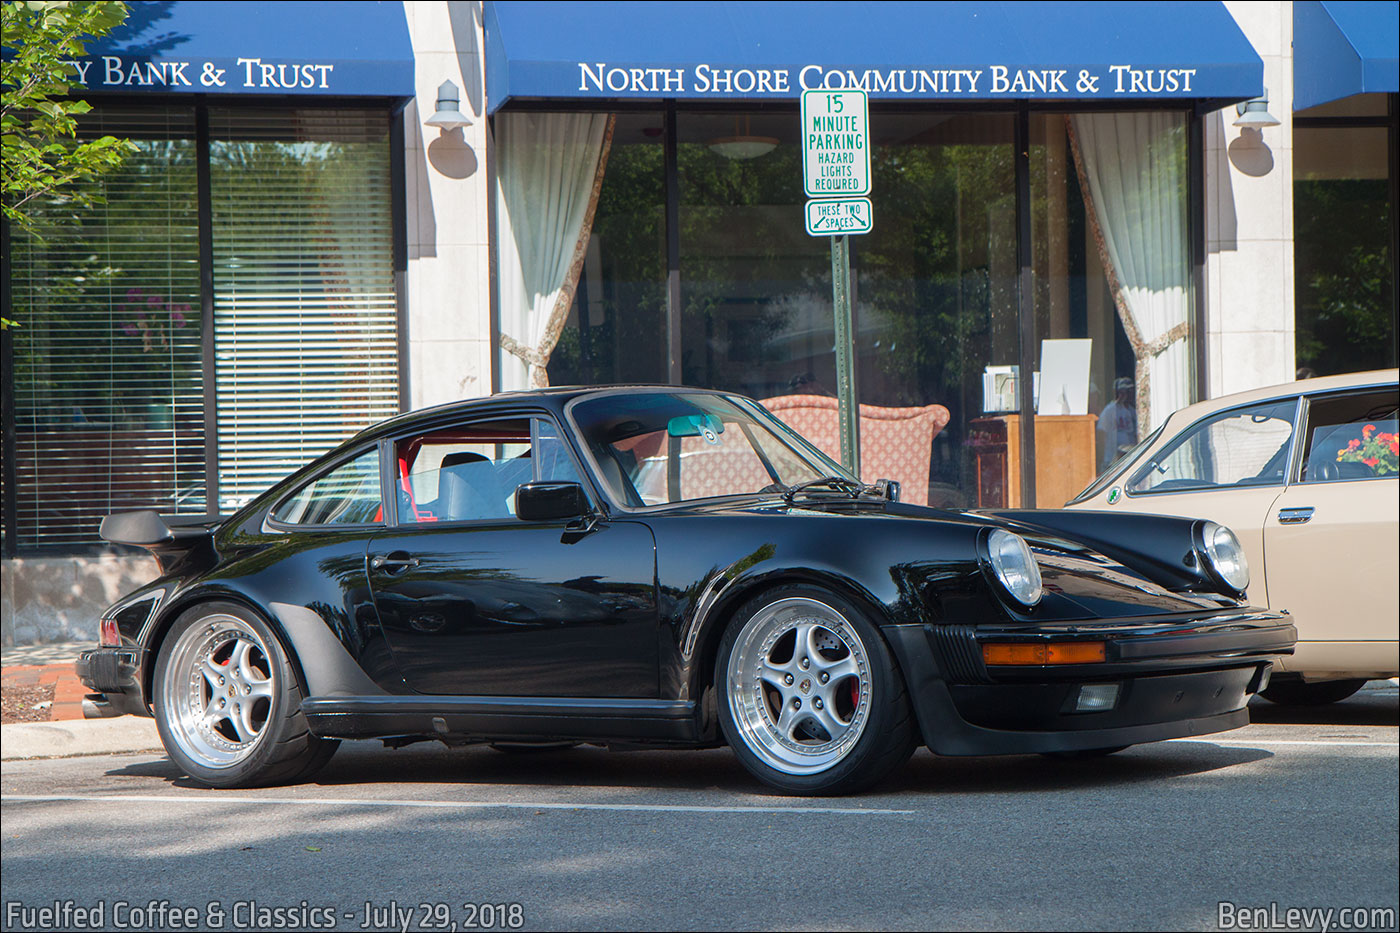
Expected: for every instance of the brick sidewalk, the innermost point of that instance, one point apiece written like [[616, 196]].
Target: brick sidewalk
[[68, 691]]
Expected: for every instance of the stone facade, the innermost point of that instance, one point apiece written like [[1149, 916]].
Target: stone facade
[[449, 296], [1248, 292], [44, 599]]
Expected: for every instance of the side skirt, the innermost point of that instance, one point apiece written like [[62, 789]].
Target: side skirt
[[485, 718]]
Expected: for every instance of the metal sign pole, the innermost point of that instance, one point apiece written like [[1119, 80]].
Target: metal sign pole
[[845, 354], [836, 179]]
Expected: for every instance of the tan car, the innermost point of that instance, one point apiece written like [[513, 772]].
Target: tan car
[[1305, 475]]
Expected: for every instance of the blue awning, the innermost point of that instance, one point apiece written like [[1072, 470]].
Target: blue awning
[[988, 51], [1341, 49], [226, 47]]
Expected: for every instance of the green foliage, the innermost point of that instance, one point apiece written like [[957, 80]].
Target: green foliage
[[753, 281], [1346, 316], [930, 270], [42, 155]]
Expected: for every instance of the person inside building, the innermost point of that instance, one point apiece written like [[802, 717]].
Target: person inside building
[[1118, 422]]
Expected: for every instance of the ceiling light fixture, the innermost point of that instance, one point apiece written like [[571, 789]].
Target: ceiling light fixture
[[743, 144]]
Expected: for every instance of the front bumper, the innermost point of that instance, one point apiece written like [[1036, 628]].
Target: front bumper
[[1173, 679], [114, 676]]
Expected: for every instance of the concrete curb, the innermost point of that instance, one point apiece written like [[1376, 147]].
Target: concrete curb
[[122, 734]]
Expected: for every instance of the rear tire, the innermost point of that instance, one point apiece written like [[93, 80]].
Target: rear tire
[[227, 702], [810, 698], [1298, 693]]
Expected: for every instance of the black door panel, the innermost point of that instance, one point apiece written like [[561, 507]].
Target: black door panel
[[520, 608]]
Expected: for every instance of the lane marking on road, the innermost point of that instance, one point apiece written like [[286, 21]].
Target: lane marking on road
[[446, 804], [1244, 743]]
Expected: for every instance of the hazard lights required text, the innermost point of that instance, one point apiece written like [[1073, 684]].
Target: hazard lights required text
[[835, 143]]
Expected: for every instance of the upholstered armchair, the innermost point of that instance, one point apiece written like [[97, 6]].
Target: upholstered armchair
[[710, 471], [895, 443]]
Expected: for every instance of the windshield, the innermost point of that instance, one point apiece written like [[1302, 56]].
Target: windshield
[[659, 447]]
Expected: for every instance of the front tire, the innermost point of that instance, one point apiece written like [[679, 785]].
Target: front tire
[[228, 702], [809, 695], [1298, 693]]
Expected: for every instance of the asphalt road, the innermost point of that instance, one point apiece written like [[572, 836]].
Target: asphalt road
[[1298, 810]]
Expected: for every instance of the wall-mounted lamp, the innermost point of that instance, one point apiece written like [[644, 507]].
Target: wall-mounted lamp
[[1254, 114], [448, 114]]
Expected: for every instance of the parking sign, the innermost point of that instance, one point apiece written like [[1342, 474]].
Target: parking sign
[[835, 143]]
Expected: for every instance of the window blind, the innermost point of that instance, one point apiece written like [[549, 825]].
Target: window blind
[[107, 381], [305, 326]]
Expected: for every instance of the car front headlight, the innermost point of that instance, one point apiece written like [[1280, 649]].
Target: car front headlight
[[1014, 566], [1225, 557]]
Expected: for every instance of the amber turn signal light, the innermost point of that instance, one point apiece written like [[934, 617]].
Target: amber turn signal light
[[1070, 652]]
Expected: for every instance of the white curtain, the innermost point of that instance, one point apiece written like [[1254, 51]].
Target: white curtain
[[550, 172], [1132, 168]]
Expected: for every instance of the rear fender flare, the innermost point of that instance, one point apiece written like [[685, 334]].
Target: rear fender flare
[[323, 665]]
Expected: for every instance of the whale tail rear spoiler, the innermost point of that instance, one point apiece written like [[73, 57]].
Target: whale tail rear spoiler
[[169, 543]]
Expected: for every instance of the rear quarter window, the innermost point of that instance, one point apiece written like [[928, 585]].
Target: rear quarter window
[[348, 494]]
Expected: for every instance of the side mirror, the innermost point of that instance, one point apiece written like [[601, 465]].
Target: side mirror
[[545, 502], [888, 488]]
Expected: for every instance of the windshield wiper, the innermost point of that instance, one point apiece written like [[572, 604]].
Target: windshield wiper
[[835, 482]]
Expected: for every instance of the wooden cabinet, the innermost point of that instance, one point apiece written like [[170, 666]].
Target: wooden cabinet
[[1064, 458]]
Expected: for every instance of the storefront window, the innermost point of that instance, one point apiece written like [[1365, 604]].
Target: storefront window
[[615, 330], [1112, 288], [305, 319], [755, 288], [936, 293], [107, 381], [936, 284], [580, 229], [1344, 273], [112, 397]]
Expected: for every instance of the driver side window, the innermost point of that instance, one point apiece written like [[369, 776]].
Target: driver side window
[[470, 472], [1351, 437], [1241, 447]]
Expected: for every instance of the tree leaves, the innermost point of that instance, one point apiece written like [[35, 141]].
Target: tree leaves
[[42, 157], [41, 152]]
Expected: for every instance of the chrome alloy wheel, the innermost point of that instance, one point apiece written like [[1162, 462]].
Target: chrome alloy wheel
[[799, 685], [218, 693]]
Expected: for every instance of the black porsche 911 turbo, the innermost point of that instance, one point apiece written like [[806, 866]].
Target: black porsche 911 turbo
[[646, 567]]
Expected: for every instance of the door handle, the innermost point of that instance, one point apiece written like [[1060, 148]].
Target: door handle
[[1295, 516], [393, 563]]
